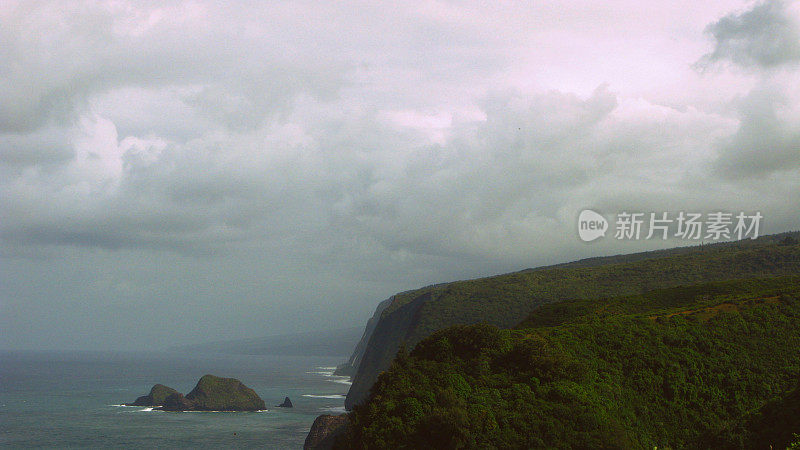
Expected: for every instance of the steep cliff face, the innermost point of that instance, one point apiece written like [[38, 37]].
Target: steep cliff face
[[351, 366], [389, 333], [505, 299]]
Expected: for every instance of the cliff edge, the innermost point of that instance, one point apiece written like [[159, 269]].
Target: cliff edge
[[504, 300], [351, 366]]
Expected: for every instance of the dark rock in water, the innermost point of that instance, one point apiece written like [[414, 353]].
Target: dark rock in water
[[325, 430], [156, 397], [223, 394], [211, 394], [144, 400], [177, 402], [286, 403]]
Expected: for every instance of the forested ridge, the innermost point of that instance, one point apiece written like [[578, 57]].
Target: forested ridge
[[708, 365]]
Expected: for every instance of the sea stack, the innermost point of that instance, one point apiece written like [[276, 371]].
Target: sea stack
[[177, 402], [286, 403], [158, 393], [214, 393]]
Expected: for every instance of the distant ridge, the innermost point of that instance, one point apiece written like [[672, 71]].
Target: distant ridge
[[338, 342]]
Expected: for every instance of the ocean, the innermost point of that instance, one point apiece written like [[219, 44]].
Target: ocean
[[72, 400]]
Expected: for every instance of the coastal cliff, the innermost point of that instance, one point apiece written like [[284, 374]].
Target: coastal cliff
[[388, 334], [505, 300], [703, 365], [350, 367]]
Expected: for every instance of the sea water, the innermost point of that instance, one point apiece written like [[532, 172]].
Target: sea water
[[69, 400]]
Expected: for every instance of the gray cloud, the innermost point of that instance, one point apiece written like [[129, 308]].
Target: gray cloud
[[80, 50], [45, 148], [254, 168], [764, 36], [768, 138]]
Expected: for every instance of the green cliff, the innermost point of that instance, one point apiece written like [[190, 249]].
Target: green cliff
[[505, 300], [703, 365]]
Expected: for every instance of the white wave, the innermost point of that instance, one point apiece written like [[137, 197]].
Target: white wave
[[327, 374], [337, 396], [125, 406], [149, 409], [326, 368], [333, 409], [345, 382]]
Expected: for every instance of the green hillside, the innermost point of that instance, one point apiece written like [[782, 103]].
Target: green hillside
[[510, 295], [696, 366], [776, 423], [504, 299]]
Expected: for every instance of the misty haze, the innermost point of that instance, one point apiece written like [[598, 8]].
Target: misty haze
[[385, 225]]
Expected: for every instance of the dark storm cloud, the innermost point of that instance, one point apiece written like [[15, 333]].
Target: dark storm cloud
[[764, 36]]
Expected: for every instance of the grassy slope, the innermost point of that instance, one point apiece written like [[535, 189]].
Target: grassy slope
[[676, 367]]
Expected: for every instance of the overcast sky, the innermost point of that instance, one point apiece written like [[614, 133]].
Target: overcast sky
[[176, 172]]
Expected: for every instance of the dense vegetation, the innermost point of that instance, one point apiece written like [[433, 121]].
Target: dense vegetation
[[698, 366], [504, 300], [158, 393], [777, 423], [214, 393]]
